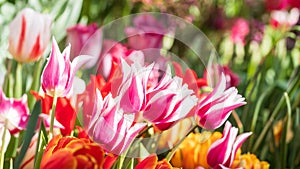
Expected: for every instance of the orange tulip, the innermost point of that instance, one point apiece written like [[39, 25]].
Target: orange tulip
[[72, 153], [151, 163], [193, 150]]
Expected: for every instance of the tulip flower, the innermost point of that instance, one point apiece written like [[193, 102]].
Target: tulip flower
[[110, 127], [250, 161], [58, 74], [147, 31], [14, 112], [71, 152], [284, 19], [29, 35], [222, 152], [214, 109], [192, 152], [169, 101], [151, 162], [85, 40]]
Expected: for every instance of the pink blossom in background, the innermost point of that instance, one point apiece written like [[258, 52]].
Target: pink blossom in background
[[58, 74], [240, 30], [29, 35], [110, 127], [147, 31], [222, 152], [112, 53], [284, 18], [14, 111], [85, 40], [214, 109], [213, 74]]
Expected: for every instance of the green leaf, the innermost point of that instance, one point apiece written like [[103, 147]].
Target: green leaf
[[30, 128]]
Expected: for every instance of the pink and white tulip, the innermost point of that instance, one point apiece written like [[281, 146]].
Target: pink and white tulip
[[214, 109], [169, 101], [222, 152], [110, 127], [132, 90], [29, 35], [58, 75], [85, 40], [14, 112]]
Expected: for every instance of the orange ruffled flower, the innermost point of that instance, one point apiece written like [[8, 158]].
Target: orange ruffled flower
[[250, 161], [193, 150], [72, 153]]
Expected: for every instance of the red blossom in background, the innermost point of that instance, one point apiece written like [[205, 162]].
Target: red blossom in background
[[29, 35]]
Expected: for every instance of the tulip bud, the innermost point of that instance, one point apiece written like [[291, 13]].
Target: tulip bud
[[29, 35]]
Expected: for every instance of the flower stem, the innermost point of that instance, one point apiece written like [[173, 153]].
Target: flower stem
[[35, 82], [52, 116], [2, 152], [18, 84]]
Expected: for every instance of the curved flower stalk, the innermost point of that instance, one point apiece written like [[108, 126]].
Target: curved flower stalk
[[222, 152], [58, 74], [14, 112], [110, 127], [29, 35], [214, 109]]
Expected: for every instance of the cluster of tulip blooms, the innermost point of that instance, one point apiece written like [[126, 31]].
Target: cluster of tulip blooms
[[127, 99]]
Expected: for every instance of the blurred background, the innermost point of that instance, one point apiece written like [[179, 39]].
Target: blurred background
[[257, 40]]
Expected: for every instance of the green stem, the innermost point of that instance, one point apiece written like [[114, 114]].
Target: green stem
[[52, 114], [18, 81], [294, 82], [121, 159], [171, 154], [288, 118], [2, 153], [35, 82]]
